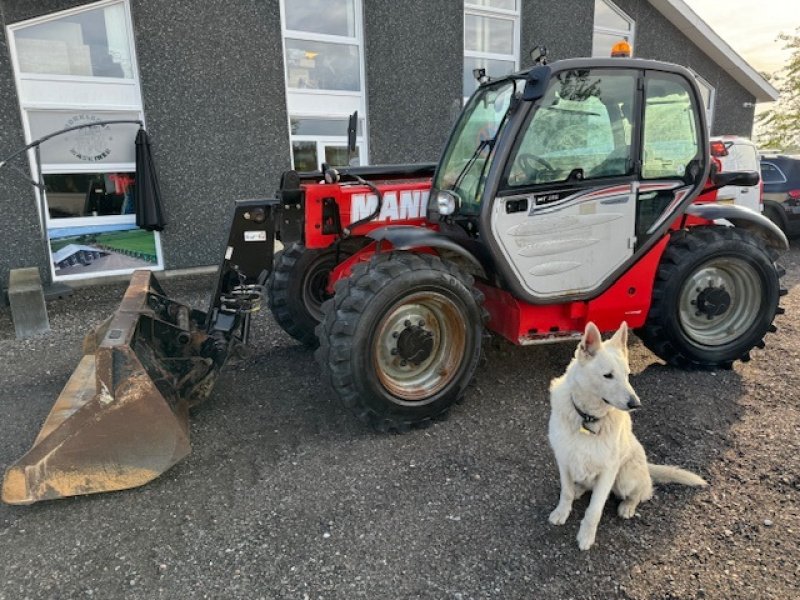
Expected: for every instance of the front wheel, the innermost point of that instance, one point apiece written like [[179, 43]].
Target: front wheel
[[714, 299], [401, 338]]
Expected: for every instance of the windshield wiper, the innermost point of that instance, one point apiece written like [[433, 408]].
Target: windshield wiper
[[483, 144]]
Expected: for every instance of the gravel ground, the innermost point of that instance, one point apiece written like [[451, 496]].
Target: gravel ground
[[287, 496]]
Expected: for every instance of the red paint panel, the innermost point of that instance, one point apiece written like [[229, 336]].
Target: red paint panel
[[404, 203], [627, 300]]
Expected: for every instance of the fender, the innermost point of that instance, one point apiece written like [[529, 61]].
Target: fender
[[743, 218], [409, 237]]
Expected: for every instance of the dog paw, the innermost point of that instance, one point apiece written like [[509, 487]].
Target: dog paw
[[558, 516], [626, 509], [586, 537]]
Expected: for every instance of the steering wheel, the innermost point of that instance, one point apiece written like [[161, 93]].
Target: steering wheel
[[528, 162]]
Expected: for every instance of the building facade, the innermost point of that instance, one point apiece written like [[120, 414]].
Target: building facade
[[233, 93]]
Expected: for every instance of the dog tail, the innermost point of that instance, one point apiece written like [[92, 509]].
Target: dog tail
[[670, 474]]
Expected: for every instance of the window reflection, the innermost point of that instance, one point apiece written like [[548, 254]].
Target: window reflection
[[92, 43], [72, 195], [331, 17], [322, 65]]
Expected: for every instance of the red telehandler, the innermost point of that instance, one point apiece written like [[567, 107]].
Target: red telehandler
[[565, 194]]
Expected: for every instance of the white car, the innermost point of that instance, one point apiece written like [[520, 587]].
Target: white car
[[738, 154]]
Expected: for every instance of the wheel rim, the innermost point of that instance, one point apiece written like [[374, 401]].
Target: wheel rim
[[315, 285], [419, 346], [720, 301]]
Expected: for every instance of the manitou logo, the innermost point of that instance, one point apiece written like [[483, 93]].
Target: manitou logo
[[411, 204]]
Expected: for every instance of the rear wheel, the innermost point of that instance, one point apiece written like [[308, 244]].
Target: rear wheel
[[400, 340], [297, 287], [715, 297], [774, 214]]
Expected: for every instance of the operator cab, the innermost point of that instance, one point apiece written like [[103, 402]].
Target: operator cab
[[577, 166]]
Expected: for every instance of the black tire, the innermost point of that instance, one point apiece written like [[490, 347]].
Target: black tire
[[401, 339], [296, 287], [715, 296], [774, 214]]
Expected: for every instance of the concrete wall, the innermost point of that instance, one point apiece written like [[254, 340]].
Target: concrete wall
[[563, 26], [414, 66], [212, 81]]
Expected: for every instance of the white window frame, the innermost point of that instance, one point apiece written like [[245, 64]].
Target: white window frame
[[331, 104], [622, 33], [494, 13], [26, 105], [329, 140]]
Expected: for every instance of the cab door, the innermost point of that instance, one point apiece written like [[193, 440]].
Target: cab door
[[565, 213]]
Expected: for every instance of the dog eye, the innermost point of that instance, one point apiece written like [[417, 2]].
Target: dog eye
[[609, 375]]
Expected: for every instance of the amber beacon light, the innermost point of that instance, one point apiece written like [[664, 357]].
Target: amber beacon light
[[621, 49]]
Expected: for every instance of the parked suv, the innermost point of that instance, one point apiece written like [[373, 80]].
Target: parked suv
[[781, 176], [737, 154]]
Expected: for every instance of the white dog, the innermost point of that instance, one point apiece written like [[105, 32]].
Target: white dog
[[592, 437]]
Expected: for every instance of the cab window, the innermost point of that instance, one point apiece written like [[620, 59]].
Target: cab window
[[670, 127], [580, 129]]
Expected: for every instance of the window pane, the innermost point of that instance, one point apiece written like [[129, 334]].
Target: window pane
[[333, 17], [670, 135], [603, 42], [337, 156], [91, 43], [305, 156], [605, 16], [494, 68], [485, 34], [582, 126], [101, 144], [95, 248], [502, 4], [322, 66], [71, 195], [326, 127]]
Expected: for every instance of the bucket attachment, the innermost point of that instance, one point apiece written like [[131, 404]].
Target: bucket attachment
[[122, 418]]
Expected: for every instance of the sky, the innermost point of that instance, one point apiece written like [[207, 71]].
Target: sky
[[751, 27]]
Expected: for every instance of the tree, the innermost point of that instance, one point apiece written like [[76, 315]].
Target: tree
[[779, 127]]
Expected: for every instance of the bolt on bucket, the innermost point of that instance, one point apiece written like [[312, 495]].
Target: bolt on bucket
[[122, 418]]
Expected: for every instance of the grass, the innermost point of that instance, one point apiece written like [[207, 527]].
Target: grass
[[135, 240]]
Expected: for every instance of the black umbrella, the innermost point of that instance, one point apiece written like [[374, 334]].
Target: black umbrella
[[147, 195]]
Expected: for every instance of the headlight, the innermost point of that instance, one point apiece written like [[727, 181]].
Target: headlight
[[446, 202]]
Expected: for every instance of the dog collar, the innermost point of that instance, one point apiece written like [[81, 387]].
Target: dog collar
[[586, 419]]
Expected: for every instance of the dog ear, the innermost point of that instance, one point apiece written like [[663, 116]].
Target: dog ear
[[591, 340], [620, 338]]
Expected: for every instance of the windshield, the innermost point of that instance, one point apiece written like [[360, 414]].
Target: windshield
[[464, 164]]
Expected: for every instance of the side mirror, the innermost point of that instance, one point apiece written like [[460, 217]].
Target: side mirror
[[742, 178]]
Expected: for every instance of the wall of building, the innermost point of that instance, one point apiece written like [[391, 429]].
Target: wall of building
[[19, 228], [563, 26], [414, 61], [657, 38], [212, 84]]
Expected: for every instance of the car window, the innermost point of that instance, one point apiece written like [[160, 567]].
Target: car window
[[770, 173], [581, 128]]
